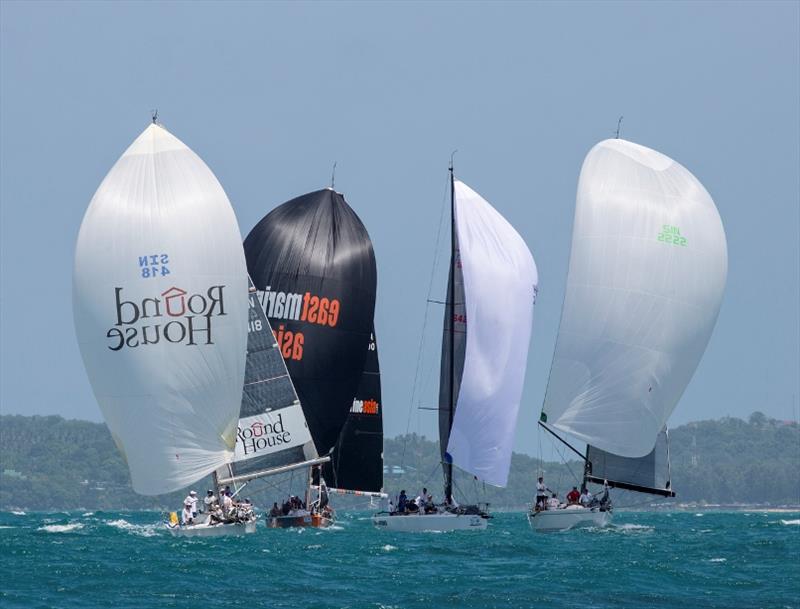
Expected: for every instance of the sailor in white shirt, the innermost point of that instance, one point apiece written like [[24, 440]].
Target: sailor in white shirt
[[553, 503], [541, 494], [586, 497], [191, 499], [227, 503], [186, 514], [421, 500], [209, 500]]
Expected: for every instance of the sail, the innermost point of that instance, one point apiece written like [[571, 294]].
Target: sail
[[454, 328], [312, 260], [272, 431], [646, 277], [499, 286], [160, 310], [648, 474], [357, 460]]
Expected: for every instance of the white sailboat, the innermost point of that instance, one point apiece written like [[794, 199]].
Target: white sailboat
[[487, 327], [160, 310], [646, 278]]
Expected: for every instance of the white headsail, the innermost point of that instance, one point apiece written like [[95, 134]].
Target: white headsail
[[646, 277], [160, 306], [500, 282]]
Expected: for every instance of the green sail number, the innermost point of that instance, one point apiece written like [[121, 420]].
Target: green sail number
[[671, 234]]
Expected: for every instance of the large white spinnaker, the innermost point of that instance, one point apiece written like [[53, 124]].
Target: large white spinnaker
[[500, 282], [160, 303], [646, 277]]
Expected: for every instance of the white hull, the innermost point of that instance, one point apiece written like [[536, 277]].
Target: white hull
[[441, 522], [212, 530], [568, 518]]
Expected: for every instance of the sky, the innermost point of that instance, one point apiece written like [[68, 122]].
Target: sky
[[271, 94]]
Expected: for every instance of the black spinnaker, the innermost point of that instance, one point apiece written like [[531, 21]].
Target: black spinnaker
[[312, 261], [357, 461]]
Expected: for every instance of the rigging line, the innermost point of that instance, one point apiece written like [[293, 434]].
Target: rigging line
[[333, 175], [424, 324], [619, 124]]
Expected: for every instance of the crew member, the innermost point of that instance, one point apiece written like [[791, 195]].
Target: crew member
[[191, 499], [541, 494], [573, 496]]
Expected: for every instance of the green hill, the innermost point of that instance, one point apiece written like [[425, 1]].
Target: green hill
[[53, 463]]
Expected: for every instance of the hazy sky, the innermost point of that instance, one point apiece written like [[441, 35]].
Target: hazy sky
[[270, 95]]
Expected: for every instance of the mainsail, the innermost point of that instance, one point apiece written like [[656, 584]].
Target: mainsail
[[487, 329], [648, 474], [160, 309], [313, 263], [272, 434], [357, 460], [646, 278]]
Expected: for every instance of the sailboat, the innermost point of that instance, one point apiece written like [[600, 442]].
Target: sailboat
[[645, 284], [312, 262], [491, 292], [160, 311]]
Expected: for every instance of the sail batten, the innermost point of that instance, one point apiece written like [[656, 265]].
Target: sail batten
[[645, 282]]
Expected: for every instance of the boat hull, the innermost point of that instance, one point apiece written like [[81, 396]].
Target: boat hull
[[303, 520], [441, 522], [213, 530], [568, 518]]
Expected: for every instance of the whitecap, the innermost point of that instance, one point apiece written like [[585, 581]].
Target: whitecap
[[4, 526], [143, 530], [18, 512], [787, 522], [699, 514], [718, 560], [313, 546], [388, 548], [632, 527], [86, 514], [61, 528]]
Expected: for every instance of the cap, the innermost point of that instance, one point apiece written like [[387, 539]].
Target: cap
[[192, 492]]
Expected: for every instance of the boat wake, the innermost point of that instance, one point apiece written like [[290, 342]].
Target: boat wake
[[791, 522]]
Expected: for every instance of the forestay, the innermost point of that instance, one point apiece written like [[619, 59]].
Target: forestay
[[500, 283], [646, 277], [160, 309]]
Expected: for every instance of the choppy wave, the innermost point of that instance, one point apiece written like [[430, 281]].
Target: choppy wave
[[18, 513], [144, 530], [61, 528]]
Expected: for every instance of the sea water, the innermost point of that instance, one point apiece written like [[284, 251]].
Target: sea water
[[683, 560]]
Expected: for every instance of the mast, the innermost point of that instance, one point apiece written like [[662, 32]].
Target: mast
[[448, 465]]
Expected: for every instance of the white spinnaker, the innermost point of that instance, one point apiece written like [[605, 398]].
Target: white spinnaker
[[159, 254], [646, 278], [500, 282]]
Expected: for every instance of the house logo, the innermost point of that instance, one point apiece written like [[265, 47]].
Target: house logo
[[175, 300]]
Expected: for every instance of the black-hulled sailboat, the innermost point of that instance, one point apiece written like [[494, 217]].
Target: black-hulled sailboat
[[644, 288], [491, 292], [312, 262]]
